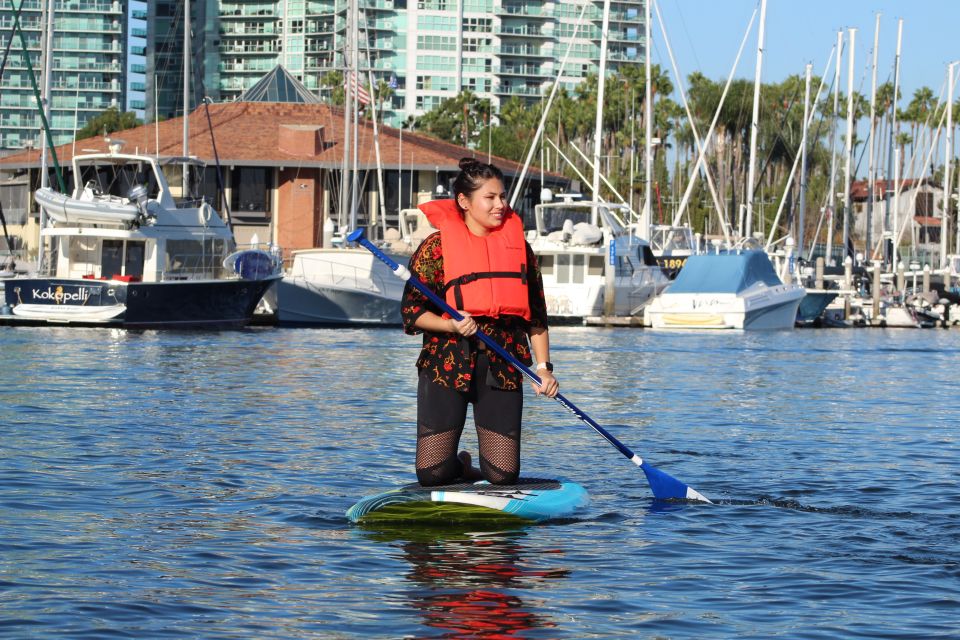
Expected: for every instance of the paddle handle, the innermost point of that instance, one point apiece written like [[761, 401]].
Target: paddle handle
[[404, 273]]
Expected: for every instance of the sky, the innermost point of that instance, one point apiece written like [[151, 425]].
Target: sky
[[705, 36]]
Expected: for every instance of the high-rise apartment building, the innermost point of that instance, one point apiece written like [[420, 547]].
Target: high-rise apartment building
[[88, 70], [426, 50], [137, 58]]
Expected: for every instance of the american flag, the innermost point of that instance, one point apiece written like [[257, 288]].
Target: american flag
[[360, 92]]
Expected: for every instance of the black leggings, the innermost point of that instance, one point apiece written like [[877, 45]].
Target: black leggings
[[441, 415]]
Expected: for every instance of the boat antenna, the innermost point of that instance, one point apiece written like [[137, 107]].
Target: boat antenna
[[222, 204], [187, 51]]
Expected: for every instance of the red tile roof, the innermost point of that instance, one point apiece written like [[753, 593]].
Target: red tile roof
[[858, 190], [249, 133]]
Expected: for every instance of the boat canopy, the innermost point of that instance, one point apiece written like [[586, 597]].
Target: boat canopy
[[724, 273]]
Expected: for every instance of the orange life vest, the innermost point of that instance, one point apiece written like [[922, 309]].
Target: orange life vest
[[484, 276]]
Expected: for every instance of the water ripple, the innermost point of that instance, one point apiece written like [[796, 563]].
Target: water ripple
[[194, 485]]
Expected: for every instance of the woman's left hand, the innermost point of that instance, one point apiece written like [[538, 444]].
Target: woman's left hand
[[549, 387]]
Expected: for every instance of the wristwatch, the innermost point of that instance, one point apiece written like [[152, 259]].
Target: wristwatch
[[545, 365]]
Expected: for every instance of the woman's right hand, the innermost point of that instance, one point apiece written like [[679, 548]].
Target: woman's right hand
[[466, 327]]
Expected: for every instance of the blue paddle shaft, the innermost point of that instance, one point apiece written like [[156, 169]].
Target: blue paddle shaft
[[663, 485]]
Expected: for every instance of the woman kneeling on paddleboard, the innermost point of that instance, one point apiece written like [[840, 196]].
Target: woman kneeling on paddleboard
[[480, 262]]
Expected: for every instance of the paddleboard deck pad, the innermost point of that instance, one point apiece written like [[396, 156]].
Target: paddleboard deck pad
[[530, 499]]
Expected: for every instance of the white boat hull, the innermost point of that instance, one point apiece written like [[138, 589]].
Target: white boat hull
[[339, 287], [769, 309], [69, 314], [301, 301]]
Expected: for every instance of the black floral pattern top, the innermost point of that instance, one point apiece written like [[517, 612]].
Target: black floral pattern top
[[449, 357]]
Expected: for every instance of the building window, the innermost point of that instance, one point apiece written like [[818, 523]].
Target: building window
[[434, 5], [477, 45], [251, 190], [481, 25], [435, 83], [437, 43]]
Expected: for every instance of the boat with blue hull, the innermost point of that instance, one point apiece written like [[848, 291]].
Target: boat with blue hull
[[121, 250]]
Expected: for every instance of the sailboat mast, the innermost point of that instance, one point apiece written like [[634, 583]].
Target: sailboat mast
[[893, 128], [348, 90], [598, 129], [647, 215], [47, 75], [355, 70], [832, 195], [609, 296], [803, 161], [187, 50], [871, 174], [755, 121], [947, 168], [848, 179]]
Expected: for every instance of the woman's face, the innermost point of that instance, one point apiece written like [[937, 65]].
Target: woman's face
[[485, 208]]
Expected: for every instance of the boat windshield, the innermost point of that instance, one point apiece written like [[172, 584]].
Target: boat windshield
[[552, 218], [675, 239], [118, 179]]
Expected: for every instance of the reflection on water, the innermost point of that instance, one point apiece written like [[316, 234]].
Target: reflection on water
[[466, 583]]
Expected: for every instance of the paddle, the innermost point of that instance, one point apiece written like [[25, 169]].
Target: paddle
[[663, 485]]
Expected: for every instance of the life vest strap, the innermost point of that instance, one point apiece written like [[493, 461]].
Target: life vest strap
[[473, 277]]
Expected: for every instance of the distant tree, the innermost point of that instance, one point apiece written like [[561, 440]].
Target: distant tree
[[459, 120], [333, 90], [108, 122]]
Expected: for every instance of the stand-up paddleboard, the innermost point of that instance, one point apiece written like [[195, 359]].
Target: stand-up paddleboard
[[530, 499]]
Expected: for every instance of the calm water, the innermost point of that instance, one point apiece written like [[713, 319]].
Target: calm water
[[193, 485]]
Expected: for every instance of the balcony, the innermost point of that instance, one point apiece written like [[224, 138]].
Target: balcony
[[72, 84], [235, 30], [524, 10], [246, 67], [527, 71], [322, 8], [378, 5], [86, 6], [376, 25], [249, 13], [522, 91], [527, 51], [62, 64], [523, 31], [227, 49]]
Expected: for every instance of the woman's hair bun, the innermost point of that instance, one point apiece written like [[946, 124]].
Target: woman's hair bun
[[466, 164]]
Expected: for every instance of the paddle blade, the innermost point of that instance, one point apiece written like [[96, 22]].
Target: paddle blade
[[666, 487]]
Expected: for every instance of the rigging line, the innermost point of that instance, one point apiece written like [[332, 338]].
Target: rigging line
[[778, 138], [686, 31]]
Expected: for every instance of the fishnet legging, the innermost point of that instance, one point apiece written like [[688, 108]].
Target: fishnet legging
[[437, 461]]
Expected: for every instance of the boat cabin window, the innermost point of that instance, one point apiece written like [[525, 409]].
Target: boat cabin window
[[83, 256], [122, 258], [546, 265], [595, 266], [194, 258], [118, 180], [570, 268], [111, 258]]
